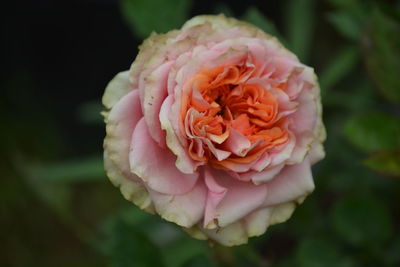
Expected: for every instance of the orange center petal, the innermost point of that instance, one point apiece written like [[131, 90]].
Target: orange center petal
[[224, 100]]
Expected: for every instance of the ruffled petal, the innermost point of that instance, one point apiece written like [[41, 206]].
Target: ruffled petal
[[183, 162]]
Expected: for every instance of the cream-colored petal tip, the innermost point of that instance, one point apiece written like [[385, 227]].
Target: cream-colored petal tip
[[116, 89]]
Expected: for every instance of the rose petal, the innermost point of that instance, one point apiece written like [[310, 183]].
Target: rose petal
[[121, 121], [155, 92], [183, 162], [240, 198], [117, 88], [156, 166], [257, 222], [293, 181], [130, 185], [237, 143], [184, 210], [230, 235], [214, 196]]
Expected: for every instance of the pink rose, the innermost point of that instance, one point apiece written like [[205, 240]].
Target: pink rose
[[215, 127]]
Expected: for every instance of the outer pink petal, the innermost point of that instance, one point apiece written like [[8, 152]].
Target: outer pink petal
[[214, 196], [184, 210], [240, 199], [304, 122], [155, 92], [156, 166], [121, 121], [293, 182]]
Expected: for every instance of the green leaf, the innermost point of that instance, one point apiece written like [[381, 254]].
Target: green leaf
[[385, 162], [373, 131], [200, 261], [71, 171], [254, 16], [320, 253], [160, 16], [340, 66], [362, 221], [345, 24], [381, 46], [355, 95], [300, 22], [391, 254], [131, 248], [183, 250]]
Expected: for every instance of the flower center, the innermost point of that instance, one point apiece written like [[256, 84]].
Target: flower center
[[228, 99]]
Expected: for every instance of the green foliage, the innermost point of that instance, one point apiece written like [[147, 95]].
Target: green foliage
[[373, 131], [130, 247], [381, 46], [186, 252], [320, 253], [300, 22], [385, 162], [362, 221], [340, 66], [345, 24], [70, 171], [160, 16]]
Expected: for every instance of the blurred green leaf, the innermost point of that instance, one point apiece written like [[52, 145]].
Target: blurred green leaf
[[160, 16], [345, 4], [356, 95], [57, 197], [300, 22], [183, 250], [340, 66], [320, 253], [199, 261], [391, 254], [381, 46], [254, 16], [373, 132], [132, 248], [385, 162], [345, 24], [71, 171], [362, 221]]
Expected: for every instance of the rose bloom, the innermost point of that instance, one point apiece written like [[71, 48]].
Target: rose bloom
[[215, 128]]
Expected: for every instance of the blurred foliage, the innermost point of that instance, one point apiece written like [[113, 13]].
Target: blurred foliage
[[58, 208], [154, 15]]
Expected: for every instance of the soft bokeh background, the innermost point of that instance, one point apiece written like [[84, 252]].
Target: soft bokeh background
[[58, 209]]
